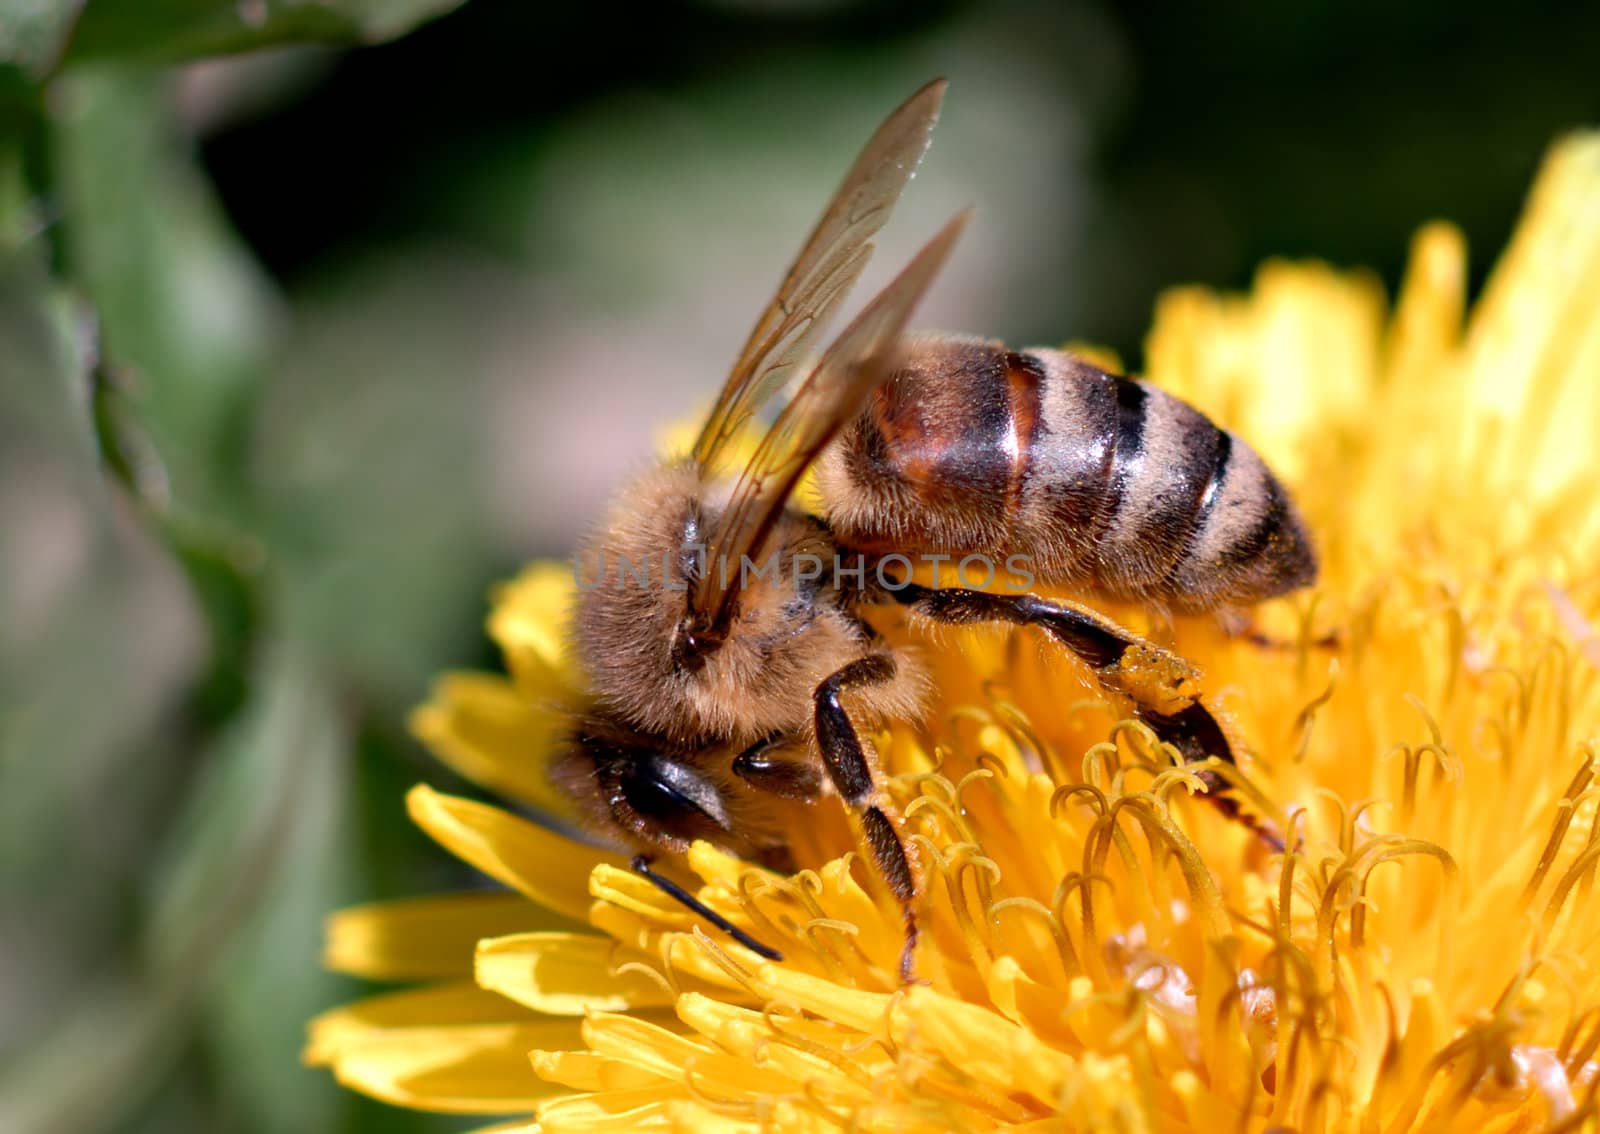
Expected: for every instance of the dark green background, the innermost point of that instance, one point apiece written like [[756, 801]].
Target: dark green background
[[301, 349]]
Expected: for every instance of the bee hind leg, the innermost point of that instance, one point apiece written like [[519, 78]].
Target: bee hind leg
[[1161, 685], [854, 770]]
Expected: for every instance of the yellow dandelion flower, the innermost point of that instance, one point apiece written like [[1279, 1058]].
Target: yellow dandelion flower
[[1101, 950]]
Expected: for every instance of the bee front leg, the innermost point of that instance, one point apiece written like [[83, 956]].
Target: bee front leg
[[1162, 686], [854, 770]]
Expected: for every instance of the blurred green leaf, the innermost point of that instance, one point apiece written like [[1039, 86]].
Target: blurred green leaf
[[187, 320], [257, 853], [97, 640], [246, 879], [243, 810], [180, 29], [46, 339], [186, 315], [133, 1034], [226, 578], [272, 980], [33, 33], [72, 583]]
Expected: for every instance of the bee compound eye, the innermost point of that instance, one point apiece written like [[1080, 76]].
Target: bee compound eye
[[675, 797]]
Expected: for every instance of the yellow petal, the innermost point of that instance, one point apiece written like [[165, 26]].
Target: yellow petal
[[1426, 328], [641, 1043], [529, 622], [1097, 355], [1297, 355], [1535, 334], [642, 1109], [451, 1048], [665, 1052], [551, 870], [586, 1071], [631, 909], [715, 866], [747, 894], [698, 957], [983, 1044], [497, 735], [692, 1118], [629, 890], [790, 1048], [866, 1012], [471, 1069], [457, 1002], [423, 938], [568, 974]]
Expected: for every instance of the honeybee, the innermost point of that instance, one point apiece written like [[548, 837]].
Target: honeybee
[[731, 673]]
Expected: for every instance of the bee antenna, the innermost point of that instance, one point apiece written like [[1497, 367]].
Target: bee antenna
[[641, 865]]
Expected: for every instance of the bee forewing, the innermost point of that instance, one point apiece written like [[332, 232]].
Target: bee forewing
[[826, 268], [833, 393]]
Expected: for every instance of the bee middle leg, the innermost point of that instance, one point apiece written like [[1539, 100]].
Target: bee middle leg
[[1161, 685], [854, 771]]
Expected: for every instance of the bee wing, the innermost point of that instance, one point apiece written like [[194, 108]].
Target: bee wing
[[824, 271], [833, 393]]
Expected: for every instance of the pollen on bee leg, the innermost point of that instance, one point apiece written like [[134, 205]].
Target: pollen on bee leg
[[1156, 678]]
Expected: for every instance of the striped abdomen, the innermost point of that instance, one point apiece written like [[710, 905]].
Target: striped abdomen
[[1106, 483]]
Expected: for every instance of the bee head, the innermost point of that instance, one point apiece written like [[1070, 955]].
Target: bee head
[[635, 791]]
